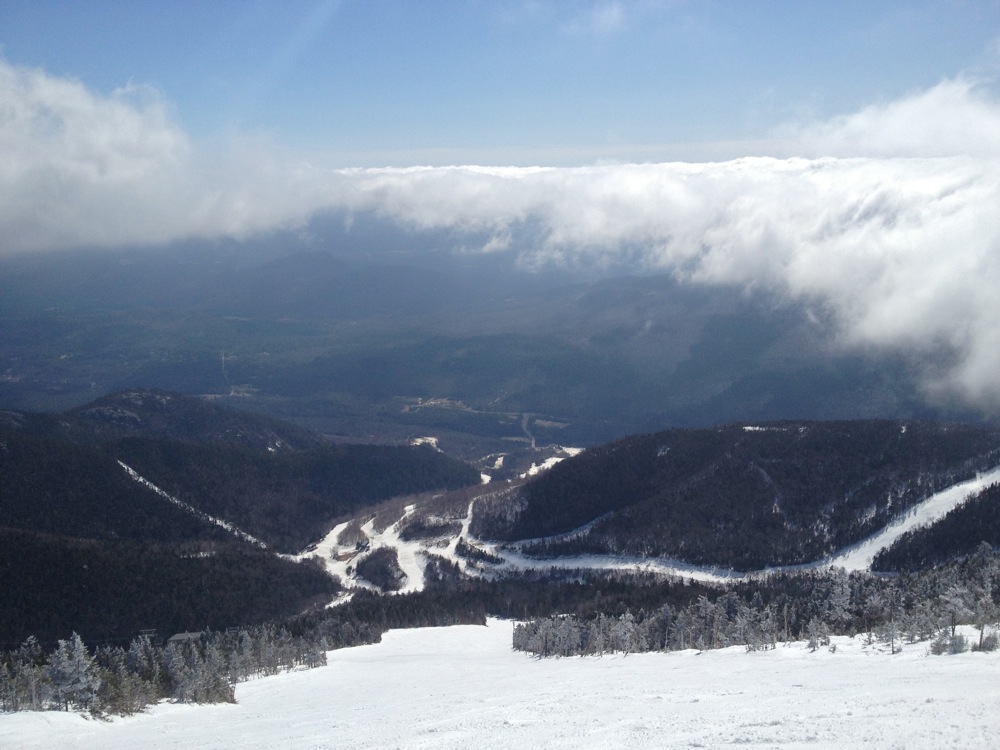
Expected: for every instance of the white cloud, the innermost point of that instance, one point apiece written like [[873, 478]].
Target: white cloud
[[956, 117], [78, 168], [894, 229]]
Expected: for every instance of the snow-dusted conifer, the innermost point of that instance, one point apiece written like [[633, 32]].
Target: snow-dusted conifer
[[73, 674]]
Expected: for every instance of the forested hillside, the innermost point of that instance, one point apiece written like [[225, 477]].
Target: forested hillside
[[960, 532], [110, 590], [278, 482], [745, 497], [89, 547]]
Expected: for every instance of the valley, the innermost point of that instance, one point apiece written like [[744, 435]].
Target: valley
[[303, 451]]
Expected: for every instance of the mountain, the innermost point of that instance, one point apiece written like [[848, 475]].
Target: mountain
[[376, 338], [136, 382], [741, 496], [64, 474], [715, 506], [150, 509], [957, 534]]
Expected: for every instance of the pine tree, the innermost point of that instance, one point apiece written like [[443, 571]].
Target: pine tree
[[983, 575], [73, 673]]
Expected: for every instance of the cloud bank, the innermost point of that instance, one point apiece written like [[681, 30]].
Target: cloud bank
[[81, 169], [889, 219]]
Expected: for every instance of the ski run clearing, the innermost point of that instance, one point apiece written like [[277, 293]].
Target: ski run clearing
[[340, 559], [464, 687]]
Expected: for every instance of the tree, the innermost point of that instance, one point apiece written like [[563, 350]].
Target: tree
[[983, 575], [29, 687], [73, 673]]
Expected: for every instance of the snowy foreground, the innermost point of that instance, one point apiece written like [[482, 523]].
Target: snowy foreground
[[463, 687]]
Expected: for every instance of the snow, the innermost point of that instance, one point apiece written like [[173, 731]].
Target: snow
[[427, 440], [221, 523], [463, 687], [338, 558], [412, 554], [536, 469], [860, 556], [514, 560], [854, 558], [562, 453]]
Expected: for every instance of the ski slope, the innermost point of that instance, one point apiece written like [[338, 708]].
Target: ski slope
[[412, 554], [463, 687], [860, 556]]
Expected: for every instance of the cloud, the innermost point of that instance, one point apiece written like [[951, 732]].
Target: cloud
[[888, 220], [904, 252], [955, 117], [78, 168]]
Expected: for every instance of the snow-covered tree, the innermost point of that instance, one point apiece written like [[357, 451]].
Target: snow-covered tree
[[73, 673]]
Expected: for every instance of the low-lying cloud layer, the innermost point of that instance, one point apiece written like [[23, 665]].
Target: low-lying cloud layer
[[889, 219]]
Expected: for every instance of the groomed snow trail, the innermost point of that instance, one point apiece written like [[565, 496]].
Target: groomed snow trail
[[463, 687], [860, 556], [855, 558]]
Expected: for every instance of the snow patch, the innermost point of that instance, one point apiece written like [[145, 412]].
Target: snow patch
[[562, 453], [539, 468], [341, 560], [426, 440]]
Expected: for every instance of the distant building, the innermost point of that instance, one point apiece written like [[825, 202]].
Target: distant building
[[180, 638]]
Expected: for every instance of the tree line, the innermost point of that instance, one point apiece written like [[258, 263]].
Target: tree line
[[117, 680], [563, 613], [923, 607]]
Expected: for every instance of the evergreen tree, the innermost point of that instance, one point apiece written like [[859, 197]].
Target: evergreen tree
[[30, 687], [73, 673]]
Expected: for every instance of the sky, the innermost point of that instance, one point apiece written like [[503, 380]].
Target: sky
[[525, 82], [846, 154]]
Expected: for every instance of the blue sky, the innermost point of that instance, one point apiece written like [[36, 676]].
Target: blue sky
[[393, 82], [841, 154]]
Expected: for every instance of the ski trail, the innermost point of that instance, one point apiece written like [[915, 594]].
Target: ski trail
[[326, 547], [857, 557], [234, 530], [408, 554], [860, 555]]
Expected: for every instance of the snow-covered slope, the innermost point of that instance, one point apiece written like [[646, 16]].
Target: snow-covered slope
[[340, 560], [463, 687], [860, 556]]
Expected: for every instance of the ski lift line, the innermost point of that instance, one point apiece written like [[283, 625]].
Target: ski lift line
[[234, 530]]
